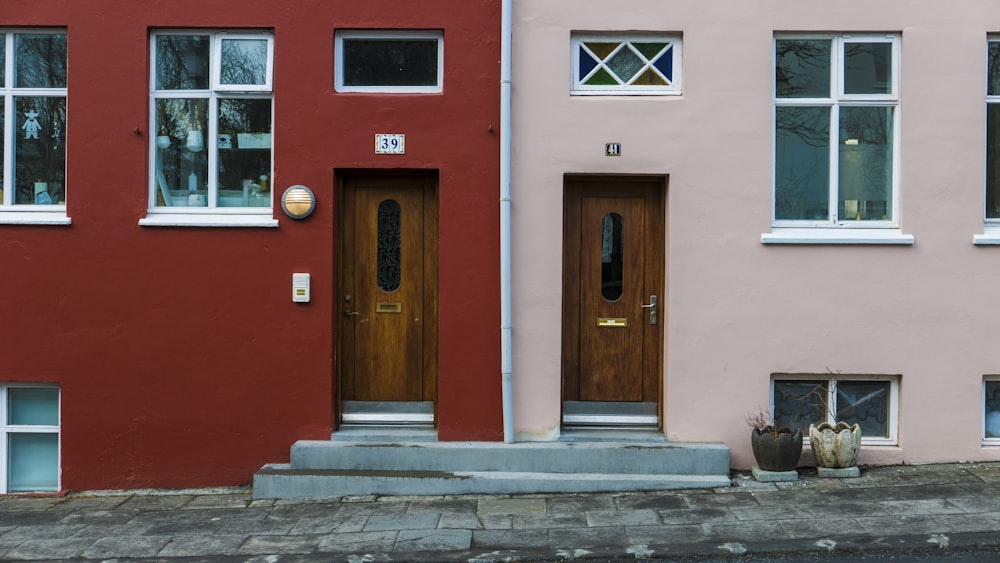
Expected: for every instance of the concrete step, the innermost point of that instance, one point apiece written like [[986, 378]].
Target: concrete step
[[336, 468], [282, 481], [532, 457]]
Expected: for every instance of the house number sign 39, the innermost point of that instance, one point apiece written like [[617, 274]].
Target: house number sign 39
[[390, 143]]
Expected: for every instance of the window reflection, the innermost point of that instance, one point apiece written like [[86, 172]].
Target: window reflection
[[611, 257], [182, 62], [244, 61], [40, 61]]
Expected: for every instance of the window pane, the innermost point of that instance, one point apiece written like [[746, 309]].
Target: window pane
[[865, 403], [40, 60], [390, 62], [866, 163], [244, 152], [33, 406], [993, 55], [611, 257], [992, 409], [868, 68], [32, 462], [3, 65], [182, 62], [802, 163], [181, 159], [993, 161], [244, 61], [389, 243], [40, 150], [797, 404], [802, 68]]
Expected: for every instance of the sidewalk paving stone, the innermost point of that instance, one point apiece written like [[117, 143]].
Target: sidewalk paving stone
[[126, 546], [269, 545], [562, 538], [203, 546], [336, 524], [381, 523], [642, 517], [359, 542], [549, 520], [510, 539], [511, 505], [41, 549], [685, 533], [410, 541]]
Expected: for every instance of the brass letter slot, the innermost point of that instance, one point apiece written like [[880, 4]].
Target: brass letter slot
[[619, 322], [387, 307]]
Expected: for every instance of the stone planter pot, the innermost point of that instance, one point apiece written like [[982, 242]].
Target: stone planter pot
[[776, 452], [835, 446]]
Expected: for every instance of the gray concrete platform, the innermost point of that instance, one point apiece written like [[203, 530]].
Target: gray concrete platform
[[897, 509]]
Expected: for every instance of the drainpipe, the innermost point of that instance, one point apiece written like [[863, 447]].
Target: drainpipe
[[506, 361]]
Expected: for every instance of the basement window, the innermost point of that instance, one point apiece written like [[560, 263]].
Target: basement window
[[29, 438], [871, 401]]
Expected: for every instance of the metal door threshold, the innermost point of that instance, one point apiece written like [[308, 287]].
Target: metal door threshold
[[387, 413], [603, 414]]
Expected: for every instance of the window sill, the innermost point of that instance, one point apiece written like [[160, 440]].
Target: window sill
[[793, 235], [990, 236], [206, 220], [34, 218]]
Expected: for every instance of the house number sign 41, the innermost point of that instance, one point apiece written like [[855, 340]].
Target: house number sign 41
[[390, 143]]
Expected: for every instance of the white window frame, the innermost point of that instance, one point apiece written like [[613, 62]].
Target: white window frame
[[7, 429], [831, 380], [991, 226], [389, 34], [210, 216], [26, 214], [579, 89], [833, 230], [991, 441]]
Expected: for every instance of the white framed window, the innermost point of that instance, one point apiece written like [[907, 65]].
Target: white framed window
[[33, 78], [836, 137], [389, 61], [211, 114], [615, 64], [29, 438], [991, 227], [872, 401], [991, 410]]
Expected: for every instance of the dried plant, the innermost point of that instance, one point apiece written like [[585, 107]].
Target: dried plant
[[764, 423]]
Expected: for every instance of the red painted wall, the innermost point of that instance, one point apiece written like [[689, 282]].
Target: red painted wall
[[181, 358]]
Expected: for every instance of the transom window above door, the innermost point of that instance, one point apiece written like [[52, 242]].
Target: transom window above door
[[629, 64], [389, 61]]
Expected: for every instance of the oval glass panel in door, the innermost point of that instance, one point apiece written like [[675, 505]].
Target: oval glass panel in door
[[388, 245], [611, 257]]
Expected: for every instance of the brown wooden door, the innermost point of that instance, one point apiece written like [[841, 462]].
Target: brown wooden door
[[612, 267], [388, 287]]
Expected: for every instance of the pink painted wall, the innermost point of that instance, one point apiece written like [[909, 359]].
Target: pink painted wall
[[738, 310]]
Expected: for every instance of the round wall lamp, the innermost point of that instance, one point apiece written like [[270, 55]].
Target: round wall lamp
[[298, 202]]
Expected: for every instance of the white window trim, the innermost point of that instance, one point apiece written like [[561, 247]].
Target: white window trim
[[209, 216], [578, 89], [982, 407], [991, 227], [338, 65], [835, 231], [831, 380], [6, 429], [23, 214]]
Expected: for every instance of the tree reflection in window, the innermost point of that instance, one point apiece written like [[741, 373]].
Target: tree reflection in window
[[611, 257], [244, 61], [388, 245]]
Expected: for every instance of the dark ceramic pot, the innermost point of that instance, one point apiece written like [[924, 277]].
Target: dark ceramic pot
[[776, 452]]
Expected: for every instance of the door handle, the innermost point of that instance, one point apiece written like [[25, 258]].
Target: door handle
[[652, 309], [349, 313]]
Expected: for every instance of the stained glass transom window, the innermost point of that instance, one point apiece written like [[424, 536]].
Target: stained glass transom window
[[388, 245], [605, 64]]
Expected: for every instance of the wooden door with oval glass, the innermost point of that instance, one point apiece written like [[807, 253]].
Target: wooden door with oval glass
[[387, 353], [613, 264]]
